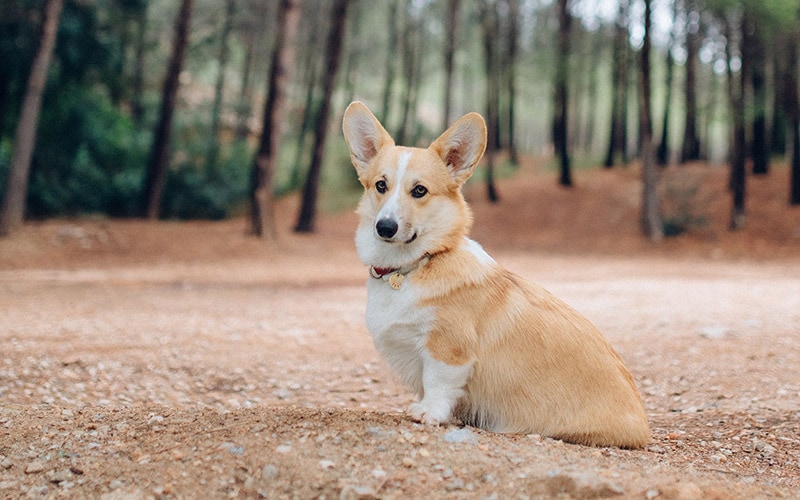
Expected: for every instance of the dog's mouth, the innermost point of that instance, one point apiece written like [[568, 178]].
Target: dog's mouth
[[414, 237]]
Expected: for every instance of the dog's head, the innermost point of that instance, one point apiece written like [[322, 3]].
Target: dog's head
[[412, 202]]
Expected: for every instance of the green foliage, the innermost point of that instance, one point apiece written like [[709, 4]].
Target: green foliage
[[89, 157]]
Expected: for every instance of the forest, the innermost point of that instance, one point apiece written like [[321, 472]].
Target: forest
[[202, 109]]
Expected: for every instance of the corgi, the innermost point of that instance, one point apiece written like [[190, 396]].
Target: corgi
[[475, 342]]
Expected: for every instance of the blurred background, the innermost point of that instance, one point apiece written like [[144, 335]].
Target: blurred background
[[204, 109]]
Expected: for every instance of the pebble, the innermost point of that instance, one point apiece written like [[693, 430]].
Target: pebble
[[34, 467], [463, 435], [327, 464], [269, 473]]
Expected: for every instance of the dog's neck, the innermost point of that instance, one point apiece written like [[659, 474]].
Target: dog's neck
[[383, 272]]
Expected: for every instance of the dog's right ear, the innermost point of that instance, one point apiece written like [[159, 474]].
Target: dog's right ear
[[364, 135]]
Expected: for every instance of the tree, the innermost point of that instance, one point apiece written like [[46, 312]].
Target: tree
[[449, 59], [617, 143], [662, 154], [12, 212], [511, 76], [333, 50], [489, 22], [758, 69], [691, 142], [736, 87], [262, 220], [159, 152], [651, 217], [793, 105], [560, 140], [219, 86]]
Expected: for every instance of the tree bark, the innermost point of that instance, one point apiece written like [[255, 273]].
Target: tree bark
[[449, 59], [489, 23], [160, 151], [737, 177], [652, 225], [262, 175], [691, 143], [793, 110], [662, 155], [333, 50], [758, 69], [219, 86], [560, 127], [391, 59], [12, 213], [618, 136], [511, 71]]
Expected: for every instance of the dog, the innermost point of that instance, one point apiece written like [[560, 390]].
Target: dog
[[475, 342]]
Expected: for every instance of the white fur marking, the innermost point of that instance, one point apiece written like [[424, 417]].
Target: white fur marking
[[477, 250], [443, 386], [390, 208]]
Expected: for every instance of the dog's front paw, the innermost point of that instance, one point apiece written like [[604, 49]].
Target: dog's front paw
[[429, 415]]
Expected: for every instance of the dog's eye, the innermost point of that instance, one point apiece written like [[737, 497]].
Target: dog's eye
[[419, 191], [380, 186]]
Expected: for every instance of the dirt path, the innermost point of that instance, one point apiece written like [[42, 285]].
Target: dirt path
[[238, 378], [187, 360]]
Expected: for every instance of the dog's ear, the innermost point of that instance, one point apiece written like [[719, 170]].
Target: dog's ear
[[462, 145], [364, 135]]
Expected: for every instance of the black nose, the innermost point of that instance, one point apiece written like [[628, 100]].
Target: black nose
[[386, 228]]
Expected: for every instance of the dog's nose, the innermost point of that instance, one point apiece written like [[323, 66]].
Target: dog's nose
[[386, 228]]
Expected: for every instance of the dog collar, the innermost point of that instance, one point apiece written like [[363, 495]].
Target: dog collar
[[396, 275]]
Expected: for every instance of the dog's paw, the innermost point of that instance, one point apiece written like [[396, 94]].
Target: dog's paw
[[428, 415]]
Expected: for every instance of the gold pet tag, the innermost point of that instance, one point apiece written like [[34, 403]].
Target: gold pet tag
[[396, 280]]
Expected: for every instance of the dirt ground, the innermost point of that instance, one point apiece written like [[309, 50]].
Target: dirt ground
[[181, 360]]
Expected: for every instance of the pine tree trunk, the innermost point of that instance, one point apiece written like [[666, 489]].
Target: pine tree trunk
[[333, 51], [737, 178], [651, 216], [691, 144], [219, 86], [160, 151], [511, 70], [560, 127], [449, 59], [793, 110], [263, 172], [662, 155], [12, 212], [391, 59], [619, 78], [137, 99], [489, 22], [758, 68]]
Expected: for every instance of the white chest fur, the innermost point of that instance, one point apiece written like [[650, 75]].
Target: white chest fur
[[399, 328]]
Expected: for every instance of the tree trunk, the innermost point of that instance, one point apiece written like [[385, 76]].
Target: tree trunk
[[489, 23], [333, 50], [651, 217], [263, 172], [219, 86], [449, 59], [618, 137], [758, 68], [793, 110], [137, 100], [159, 153], [560, 128], [691, 143], [13, 209], [391, 59], [411, 57], [662, 155], [511, 70], [737, 177]]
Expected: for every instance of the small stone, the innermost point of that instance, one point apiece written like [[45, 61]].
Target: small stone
[[283, 449], [327, 464], [269, 473], [357, 492], [34, 467], [408, 462], [460, 436], [59, 476]]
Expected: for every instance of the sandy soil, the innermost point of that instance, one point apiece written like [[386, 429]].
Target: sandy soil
[[173, 360]]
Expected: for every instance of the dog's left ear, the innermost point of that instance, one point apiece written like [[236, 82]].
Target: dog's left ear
[[364, 135], [462, 145]]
